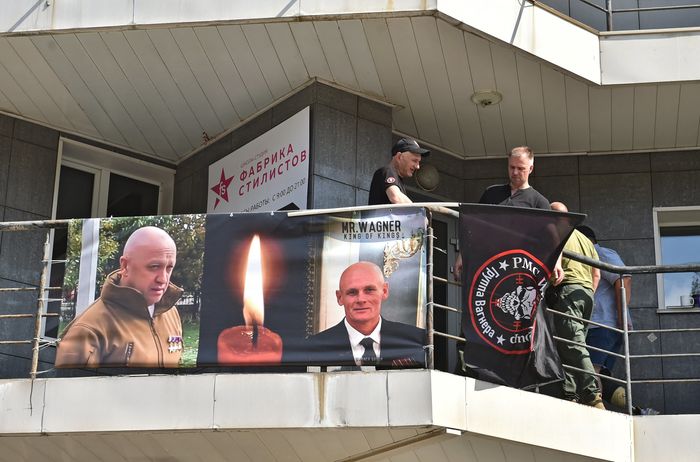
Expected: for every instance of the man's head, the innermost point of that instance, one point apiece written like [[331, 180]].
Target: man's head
[[361, 291], [559, 207], [406, 156], [521, 161], [147, 262]]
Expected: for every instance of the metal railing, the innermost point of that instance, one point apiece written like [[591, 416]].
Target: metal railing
[[621, 271], [609, 11], [42, 289], [626, 356]]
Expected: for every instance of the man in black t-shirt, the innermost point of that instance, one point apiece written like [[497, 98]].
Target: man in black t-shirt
[[516, 193], [387, 183]]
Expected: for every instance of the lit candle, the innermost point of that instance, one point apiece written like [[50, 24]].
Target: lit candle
[[252, 344]]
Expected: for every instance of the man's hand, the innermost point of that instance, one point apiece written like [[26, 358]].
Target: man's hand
[[558, 273], [457, 272]]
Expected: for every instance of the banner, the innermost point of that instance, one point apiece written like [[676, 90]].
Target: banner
[[508, 255], [267, 174], [250, 289]]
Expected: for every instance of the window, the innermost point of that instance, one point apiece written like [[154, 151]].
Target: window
[[93, 182], [677, 241]]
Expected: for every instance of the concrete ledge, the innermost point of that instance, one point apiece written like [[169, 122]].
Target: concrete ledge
[[392, 400]]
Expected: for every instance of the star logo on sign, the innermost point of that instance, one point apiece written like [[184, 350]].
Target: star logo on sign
[[504, 266], [500, 339], [221, 188]]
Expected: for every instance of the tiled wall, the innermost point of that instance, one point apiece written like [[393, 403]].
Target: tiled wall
[[28, 154]]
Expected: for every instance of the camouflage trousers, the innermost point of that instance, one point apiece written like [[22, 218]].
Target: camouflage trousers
[[575, 300]]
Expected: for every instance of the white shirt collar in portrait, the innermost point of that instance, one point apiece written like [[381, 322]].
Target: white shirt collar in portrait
[[356, 337]]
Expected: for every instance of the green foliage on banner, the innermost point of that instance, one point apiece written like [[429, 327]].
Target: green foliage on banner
[[186, 230], [190, 335]]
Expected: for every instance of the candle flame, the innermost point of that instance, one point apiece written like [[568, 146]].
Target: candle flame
[[253, 302]]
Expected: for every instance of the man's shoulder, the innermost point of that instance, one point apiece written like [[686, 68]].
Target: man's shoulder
[[495, 194], [609, 255], [330, 333], [92, 318], [537, 199], [497, 188], [583, 245], [394, 327]]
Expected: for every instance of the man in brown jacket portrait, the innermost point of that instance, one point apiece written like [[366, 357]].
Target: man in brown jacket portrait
[[135, 321]]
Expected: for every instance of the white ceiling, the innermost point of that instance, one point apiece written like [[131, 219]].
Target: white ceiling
[[276, 445], [162, 90]]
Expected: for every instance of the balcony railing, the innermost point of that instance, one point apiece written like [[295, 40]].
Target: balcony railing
[[38, 342], [607, 15]]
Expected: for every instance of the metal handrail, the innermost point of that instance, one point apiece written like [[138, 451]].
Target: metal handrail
[[622, 271], [610, 11], [442, 208]]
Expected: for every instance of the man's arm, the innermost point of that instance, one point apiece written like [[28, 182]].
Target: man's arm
[[79, 347], [558, 272], [396, 196], [596, 277], [618, 299]]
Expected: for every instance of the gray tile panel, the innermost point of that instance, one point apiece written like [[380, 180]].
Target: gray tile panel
[[618, 205], [555, 166], [5, 154], [617, 163], [36, 134], [678, 188], [32, 176], [373, 150], [487, 168], [337, 99], [330, 194], [562, 188], [7, 125], [334, 144], [675, 161], [21, 252]]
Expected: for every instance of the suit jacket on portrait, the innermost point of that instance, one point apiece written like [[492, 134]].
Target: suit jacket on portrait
[[401, 346]]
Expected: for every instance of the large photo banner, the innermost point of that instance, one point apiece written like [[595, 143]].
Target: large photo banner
[[508, 255], [252, 289]]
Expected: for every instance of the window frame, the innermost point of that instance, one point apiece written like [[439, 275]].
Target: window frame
[[102, 163], [671, 217]]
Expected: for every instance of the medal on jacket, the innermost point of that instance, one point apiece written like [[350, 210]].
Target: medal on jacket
[[174, 343]]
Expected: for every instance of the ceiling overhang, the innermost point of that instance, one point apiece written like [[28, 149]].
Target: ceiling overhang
[[161, 78]]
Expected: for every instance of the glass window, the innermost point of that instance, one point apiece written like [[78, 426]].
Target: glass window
[[677, 243]]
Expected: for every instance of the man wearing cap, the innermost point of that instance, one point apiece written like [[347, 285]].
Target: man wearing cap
[[387, 183]]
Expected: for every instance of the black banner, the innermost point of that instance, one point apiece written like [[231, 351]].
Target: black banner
[[508, 256]]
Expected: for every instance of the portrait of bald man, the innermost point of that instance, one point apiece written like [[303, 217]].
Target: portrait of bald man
[[134, 322], [364, 337]]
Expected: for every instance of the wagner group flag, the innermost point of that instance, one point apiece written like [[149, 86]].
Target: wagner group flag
[[508, 256]]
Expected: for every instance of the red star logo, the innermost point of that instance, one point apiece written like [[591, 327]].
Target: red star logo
[[221, 188]]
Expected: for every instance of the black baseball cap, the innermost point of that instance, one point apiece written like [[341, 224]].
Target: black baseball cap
[[410, 145], [588, 232]]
